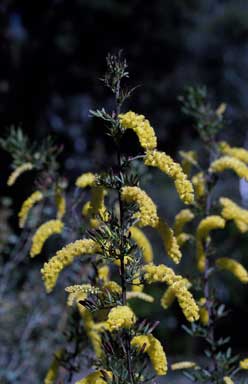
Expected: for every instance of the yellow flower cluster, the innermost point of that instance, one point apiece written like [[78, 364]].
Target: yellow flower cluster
[[228, 380], [103, 273], [199, 184], [229, 162], [52, 372], [232, 211], [167, 165], [143, 243], [46, 230], [147, 214], [65, 257], [189, 158], [140, 295], [17, 172], [86, 180], [27, 205], [183, 365], [185, 299], [95, 378], [244, 364], [79, 292], [234, 267], [60, 204], [120, 317], [169, 240], [97, 206], [169, 295], [182, 218], [152, 346], [237, 152], [141, 126], [205, 226], [204, 316], [182, 238]]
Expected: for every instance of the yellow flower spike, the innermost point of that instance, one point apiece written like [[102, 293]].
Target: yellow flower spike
[[52, 372], [120, 317], [204, 316], [234, 267], [167, 165], [237, 152], [27, 205], [152, 346], [244, 364], [136, 285], [169, 295], [169, 241], [60, 202], [79, 292], [189, 159], [231, 211], [147, 214], [140, 295], [183, 238], [18, 172], [46, 230], [86, 180], [95, 378], [141, 126], [228, 380], [205, 226], [112, 286], [64, 257], [228, 162], [182, 218], [159, 274], [199, 184], [186, 301], [103, 273], [143, 243], [183, 365]]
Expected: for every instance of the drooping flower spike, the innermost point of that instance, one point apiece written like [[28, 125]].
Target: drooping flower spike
[[46, 230], [36, 197], [228, 162], [18, 172], [64, 257], [234, 267], [237, 152], [231, 211]]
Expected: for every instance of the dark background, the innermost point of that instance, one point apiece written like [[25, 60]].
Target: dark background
[[53, 54]]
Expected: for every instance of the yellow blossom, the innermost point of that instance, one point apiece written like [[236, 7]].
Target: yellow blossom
[[112, 286], [95, 378], [60, 204], [237, 152], [136, 285], [204, 316], [79, 292], [234, 267], [152, 346], [167, 165], [205, 226], [169, 295], [141, 126], [182, 238], [244, 364], [199, 184], [143, 243], [120, 317], [183, 365], [185, 299], [52, 372], [182, 218], [140, 295], [229, 162], [27, 205], [65, 257], [17, 172], [189, 159], [46, 230], [86, 180], [147, 214], [231, 211], [169, 240], [103, 273], [228, 380]]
